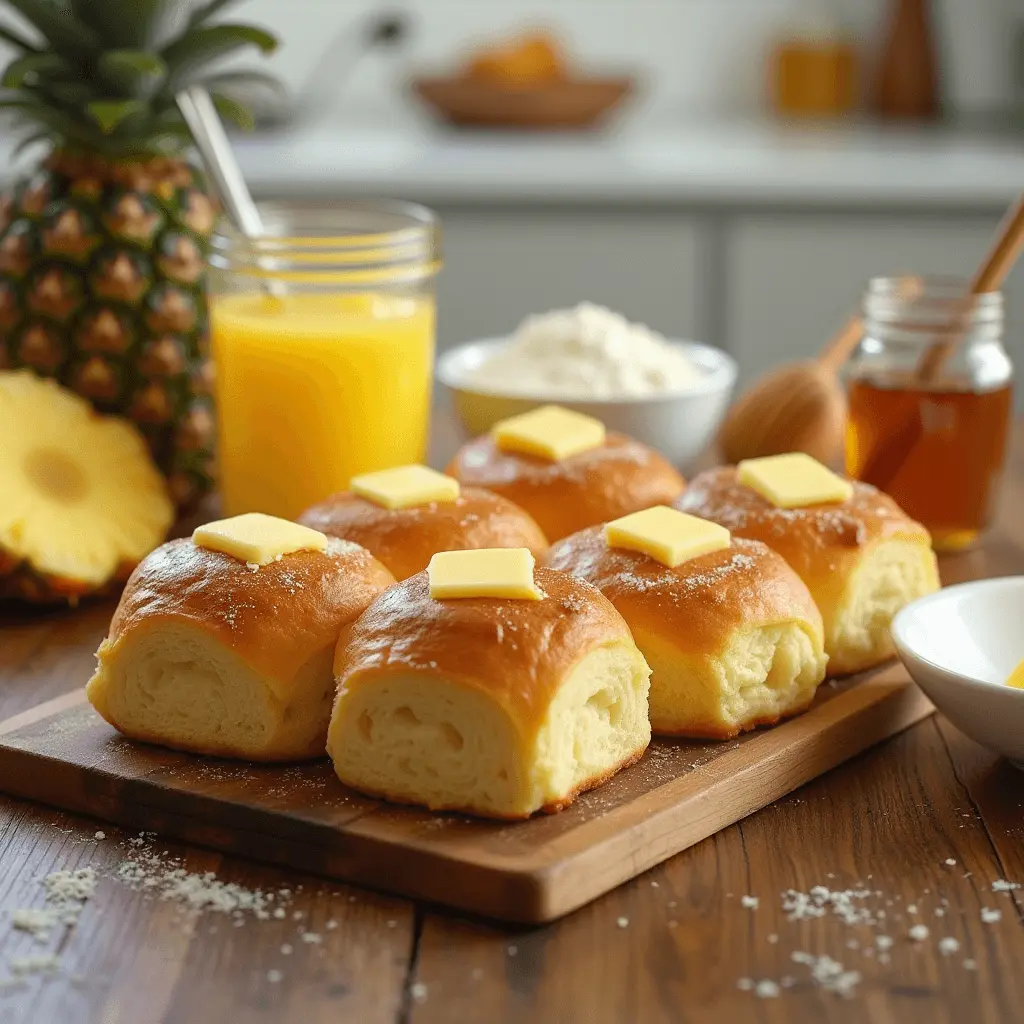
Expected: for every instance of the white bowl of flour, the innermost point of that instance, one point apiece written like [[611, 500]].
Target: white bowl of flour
[[669, 394]]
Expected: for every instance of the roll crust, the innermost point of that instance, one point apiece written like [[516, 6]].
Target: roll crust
[[492, 706], [585, 489], [272, 629], [516, 652], [404, 539], [694, 613], [827, 545]]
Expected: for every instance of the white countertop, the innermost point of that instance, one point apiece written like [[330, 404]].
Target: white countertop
[[755, 163], [706, 163]]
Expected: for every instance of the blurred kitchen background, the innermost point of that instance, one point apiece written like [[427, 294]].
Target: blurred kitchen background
[[772, 156]]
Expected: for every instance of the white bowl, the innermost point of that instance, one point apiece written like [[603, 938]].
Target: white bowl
[[960, 646], [680, 425]]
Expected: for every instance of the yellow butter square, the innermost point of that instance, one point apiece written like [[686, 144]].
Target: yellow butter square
[[793, 480], [486, 572], [1016, 679], [667, 535], [405, 486], [257, 538], [549, 432]]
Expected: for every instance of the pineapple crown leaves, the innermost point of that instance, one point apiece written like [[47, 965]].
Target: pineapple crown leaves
[[102, 75]]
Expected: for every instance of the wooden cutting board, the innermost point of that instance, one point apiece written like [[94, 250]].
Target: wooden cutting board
[[62, 753]]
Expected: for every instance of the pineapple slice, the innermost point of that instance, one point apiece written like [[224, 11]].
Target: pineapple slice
[[81, 502]]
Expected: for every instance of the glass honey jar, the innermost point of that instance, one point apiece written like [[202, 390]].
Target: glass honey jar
[[930, 403]]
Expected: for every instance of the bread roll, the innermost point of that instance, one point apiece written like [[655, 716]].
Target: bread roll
[[404, 539], [492, 706], [208, 655], [733, 638], [862, 559], [591, 487]]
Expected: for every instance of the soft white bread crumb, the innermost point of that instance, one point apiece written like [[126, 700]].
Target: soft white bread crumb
[[762, 675], [421, 738], [178, 686], [891, 575]]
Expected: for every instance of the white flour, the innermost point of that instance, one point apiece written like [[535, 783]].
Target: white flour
[[586, 352]]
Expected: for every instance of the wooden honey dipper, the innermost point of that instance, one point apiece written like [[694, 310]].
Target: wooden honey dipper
[[801, 406]]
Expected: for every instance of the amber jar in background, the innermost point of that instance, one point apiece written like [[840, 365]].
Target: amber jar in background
[[813, 78], [935, 442]]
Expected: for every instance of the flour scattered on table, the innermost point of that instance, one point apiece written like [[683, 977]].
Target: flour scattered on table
[[970, 965], [750, 902], [418, 992], [950, 862], [622, 922], [1002, 885], [990, 916], [767, 989], [948, 946], [919, 932], [274, 977], [100, 835]]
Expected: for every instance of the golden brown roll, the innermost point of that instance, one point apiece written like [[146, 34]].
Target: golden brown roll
[[404, 539], [733, 638], [862, 559], [591, 487], [493, 706], [208, 654]]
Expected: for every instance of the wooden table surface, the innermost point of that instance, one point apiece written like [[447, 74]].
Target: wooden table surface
[[671, 946]]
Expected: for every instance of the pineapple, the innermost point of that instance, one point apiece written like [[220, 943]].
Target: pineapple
[[103, 248], [81, 502]]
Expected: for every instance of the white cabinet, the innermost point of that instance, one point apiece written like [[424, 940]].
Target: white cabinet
[[504, 263], [792, 280]]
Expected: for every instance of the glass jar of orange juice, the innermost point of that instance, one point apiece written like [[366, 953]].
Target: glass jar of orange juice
[[323, 345], [930, 402]]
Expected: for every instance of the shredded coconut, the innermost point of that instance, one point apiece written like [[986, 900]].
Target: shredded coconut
[[948, 946], [767, 989], [622, 922], [418, 992], [1001, 885], [750, 902], [990, 916], [919, 932], [586, 352]]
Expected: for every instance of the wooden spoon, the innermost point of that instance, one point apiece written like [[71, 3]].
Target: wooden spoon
[[799, 407]]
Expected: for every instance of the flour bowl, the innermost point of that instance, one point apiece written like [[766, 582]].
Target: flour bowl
[[680, 424]]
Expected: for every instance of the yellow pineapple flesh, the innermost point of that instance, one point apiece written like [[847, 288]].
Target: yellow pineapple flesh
[[81, 501]]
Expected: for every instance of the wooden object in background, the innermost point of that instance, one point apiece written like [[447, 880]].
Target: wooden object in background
[[799, 407], [301, 816], [907, 85], [574, 103]]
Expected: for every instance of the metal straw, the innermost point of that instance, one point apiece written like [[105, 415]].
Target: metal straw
[[219, 159]]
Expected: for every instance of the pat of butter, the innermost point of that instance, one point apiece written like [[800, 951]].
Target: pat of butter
[[257, 538], [1016, 679], [794, 480], [405, 486], [549, 432], [667, 535], [486, 572]]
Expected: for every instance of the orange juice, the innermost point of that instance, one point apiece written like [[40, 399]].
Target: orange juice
[[313, 388]]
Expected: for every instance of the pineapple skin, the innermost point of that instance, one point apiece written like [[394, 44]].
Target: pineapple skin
[[103, 287]]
